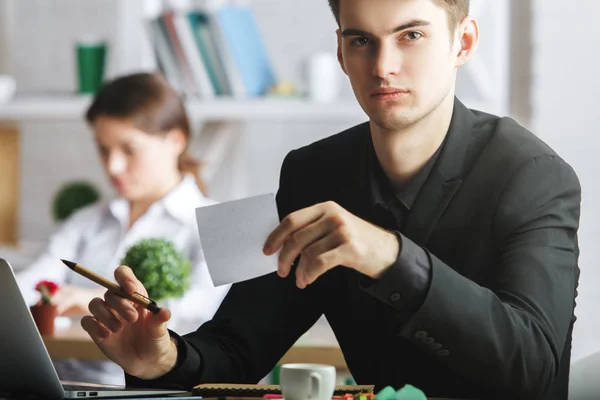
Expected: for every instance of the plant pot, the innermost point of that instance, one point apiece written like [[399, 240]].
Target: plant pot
[[44, 316]]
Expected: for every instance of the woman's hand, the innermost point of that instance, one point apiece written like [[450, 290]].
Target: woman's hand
[[74, 300]]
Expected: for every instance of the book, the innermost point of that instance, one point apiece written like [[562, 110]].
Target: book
[[193, 56], [200, 26], [243, 390], [244, 48], [164, 57], [226, 59], [168, 23]]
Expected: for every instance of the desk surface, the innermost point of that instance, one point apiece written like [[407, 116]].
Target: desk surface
[[317, 346]]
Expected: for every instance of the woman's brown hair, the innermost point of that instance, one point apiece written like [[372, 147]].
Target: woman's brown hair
[[153, 106]]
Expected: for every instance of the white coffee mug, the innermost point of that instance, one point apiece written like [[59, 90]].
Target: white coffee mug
[[322, 73], [307, 381]]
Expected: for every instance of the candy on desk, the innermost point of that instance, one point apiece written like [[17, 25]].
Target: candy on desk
[[364, 396], [409, 392], [347, 396]]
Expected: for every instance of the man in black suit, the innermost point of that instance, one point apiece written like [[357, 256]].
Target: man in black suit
[[439, 242]]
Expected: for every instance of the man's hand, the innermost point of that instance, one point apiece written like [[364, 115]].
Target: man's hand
[[326, 235], [131, 336]]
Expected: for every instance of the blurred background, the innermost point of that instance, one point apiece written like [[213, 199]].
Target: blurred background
[[536, 63]]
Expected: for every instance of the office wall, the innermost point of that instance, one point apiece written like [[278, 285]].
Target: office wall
[[6, 28], [566, 61]]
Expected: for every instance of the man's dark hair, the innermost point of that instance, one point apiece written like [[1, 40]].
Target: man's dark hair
[[457, 10]]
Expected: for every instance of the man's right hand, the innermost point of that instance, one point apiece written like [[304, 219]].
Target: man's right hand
[[131, 336]]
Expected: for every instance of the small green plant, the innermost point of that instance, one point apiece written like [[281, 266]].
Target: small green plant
[[163, 270], [71, 197]]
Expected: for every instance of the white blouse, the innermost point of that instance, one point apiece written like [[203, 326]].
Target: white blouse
[[98, 237]]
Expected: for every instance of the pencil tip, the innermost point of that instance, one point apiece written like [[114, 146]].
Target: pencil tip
[[69, 264]]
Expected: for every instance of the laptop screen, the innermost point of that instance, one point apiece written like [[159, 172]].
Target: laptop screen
[[25, 365]]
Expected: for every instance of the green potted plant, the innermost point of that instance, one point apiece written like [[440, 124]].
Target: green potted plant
[[163, 270], [72, 196]]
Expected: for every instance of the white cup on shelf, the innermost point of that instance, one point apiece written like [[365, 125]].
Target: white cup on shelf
[[307, 381], [321, 75], [8, 86]]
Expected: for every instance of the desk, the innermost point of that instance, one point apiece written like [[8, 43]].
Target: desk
[[314, 347]]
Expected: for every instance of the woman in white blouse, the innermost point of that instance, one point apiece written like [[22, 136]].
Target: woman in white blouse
[[141, 131]]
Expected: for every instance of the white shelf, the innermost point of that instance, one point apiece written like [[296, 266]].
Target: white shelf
[[71, 107]]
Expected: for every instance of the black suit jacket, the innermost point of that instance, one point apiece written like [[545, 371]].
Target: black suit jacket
[[498, 217]]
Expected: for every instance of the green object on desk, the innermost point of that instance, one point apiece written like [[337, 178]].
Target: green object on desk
[[409, 392], [387, 393]]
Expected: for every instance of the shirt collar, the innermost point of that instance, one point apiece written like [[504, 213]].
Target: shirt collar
[[409, 193], [180, 202], [380, 187]]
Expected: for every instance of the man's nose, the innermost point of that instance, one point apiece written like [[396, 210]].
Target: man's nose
[[387, 60]]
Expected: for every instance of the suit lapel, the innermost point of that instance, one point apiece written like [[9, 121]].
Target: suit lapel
[[356, 197], [444, 179]]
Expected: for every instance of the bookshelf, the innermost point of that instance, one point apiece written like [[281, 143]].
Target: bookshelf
[[53, 107]]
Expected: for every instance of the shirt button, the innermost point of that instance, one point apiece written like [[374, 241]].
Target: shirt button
[[420, 335], [443, 353], [395, 297], [435, 346]]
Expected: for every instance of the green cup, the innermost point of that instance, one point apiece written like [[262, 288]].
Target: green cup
[[91, 60]]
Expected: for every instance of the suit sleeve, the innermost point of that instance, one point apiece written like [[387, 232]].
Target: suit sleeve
[[510, 335], [258, 321]]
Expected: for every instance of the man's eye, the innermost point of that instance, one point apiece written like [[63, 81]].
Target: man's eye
[[412, 36], [359, 41]]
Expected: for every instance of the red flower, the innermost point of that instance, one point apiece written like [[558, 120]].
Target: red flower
[[47, 289]]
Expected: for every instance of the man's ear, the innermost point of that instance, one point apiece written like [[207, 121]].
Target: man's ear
[[467, 38], [339, 50]]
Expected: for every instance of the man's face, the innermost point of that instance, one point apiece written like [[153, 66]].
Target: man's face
[[400, 57]]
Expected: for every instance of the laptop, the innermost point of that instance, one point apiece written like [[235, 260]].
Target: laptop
[[26, 369]]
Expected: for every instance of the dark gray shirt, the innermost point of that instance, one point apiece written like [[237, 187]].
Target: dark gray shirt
[[404, 285]]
